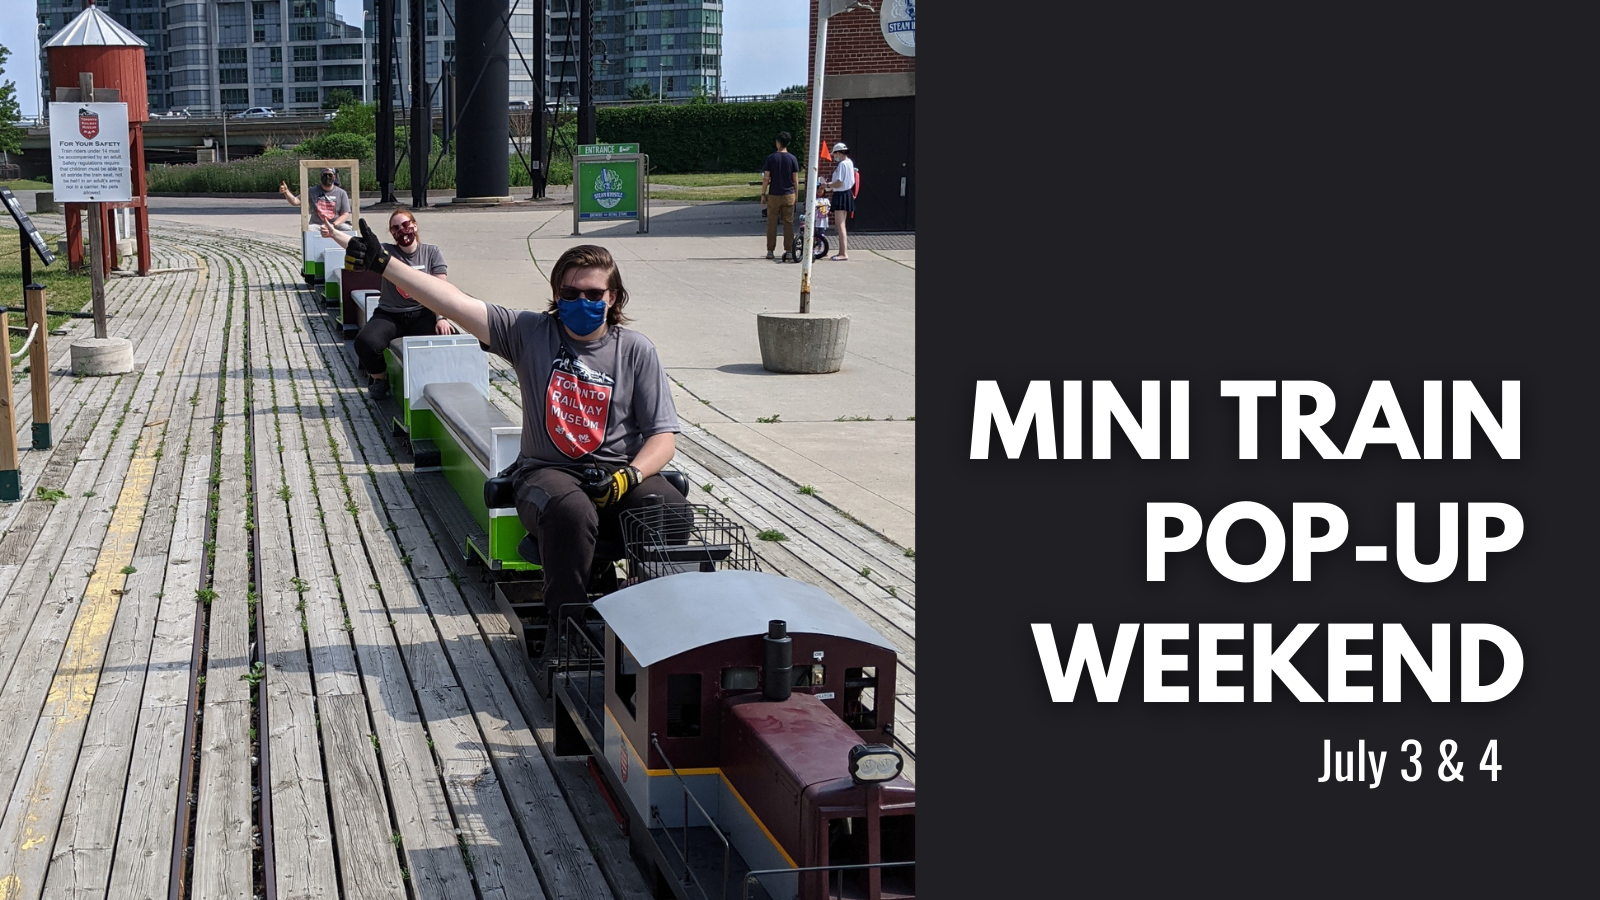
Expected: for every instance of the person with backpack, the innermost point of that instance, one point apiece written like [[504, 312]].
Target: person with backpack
[[844, 201]]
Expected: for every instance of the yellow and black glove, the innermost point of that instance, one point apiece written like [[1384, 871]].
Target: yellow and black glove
[[611, 488], [366, 252]]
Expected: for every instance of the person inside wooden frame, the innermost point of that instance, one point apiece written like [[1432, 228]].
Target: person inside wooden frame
[[329, 202]]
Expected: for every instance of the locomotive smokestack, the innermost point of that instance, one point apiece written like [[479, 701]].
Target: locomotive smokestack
[[777, 677]]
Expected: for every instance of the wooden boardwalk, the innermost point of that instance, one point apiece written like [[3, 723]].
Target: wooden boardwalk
[[227, 532]]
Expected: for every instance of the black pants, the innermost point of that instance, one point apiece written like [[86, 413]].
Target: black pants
[[385, 326], [566, 523]]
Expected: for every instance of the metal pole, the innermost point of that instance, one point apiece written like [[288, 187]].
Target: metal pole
[[386, 101], [542, 106], [97, 250], [10, 476], [586, 127], [39, 362], [421, 121], [216, 86], [813, 159]]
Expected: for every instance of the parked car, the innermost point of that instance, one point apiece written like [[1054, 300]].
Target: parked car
[[256, 112], [520, 105]]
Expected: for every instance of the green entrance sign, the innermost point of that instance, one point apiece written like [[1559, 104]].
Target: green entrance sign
[[610, 186], [606, 149], [607, 189]]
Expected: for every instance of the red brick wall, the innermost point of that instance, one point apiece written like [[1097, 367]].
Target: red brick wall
[[855, 47]]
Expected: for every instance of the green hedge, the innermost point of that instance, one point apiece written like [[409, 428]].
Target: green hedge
[[704, 137], [698, 137]]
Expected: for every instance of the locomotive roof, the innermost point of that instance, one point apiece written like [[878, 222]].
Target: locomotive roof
[[664, 617]]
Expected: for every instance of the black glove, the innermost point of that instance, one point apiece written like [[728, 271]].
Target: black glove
[[608, 489], [365, 252]]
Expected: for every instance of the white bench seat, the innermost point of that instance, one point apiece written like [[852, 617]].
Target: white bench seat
[[485, 432]]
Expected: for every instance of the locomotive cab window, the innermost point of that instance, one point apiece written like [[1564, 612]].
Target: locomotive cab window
[[626, 677], [809, 676], [683, 705], [741, 678], [860, 697]]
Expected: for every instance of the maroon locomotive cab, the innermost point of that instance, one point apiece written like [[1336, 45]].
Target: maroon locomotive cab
[[773, 706], [790, 763]]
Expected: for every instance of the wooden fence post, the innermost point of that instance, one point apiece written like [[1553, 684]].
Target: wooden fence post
[[39, 367], [10, 476]]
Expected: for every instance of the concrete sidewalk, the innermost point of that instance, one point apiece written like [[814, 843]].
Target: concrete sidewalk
[[696, 283]]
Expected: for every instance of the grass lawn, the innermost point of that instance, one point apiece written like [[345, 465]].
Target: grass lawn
[[706, 193], [707, 186], [62, 290], [24, 184], [713, 179]]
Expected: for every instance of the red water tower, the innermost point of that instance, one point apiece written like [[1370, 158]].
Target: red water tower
[[94, 43]]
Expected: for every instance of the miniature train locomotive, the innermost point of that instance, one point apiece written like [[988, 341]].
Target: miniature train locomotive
[[745, 722], [742, 721]]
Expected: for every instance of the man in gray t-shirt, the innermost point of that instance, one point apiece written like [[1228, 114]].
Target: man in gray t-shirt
[[329, 202], [598, 422], [583, 401]]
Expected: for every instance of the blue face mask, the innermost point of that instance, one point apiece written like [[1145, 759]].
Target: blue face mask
[[581, 315]]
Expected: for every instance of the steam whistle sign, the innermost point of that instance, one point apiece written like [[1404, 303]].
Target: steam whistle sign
[[90, 152]]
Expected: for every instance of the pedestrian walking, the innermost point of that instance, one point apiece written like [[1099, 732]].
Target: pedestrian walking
[[780, 187], [844, 202]]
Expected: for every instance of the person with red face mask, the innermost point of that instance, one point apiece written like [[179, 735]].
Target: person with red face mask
[[398, 313]]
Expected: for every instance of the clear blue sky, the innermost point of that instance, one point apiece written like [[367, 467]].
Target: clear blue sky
[[763, 46]]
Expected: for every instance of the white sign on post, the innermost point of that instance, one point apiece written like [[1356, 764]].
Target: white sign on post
[[89, 152]]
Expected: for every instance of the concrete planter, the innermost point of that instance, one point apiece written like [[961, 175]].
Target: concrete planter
[[45, 202], [802, 343], [102, 356]]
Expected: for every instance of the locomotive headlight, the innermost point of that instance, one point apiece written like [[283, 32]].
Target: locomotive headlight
[[871, 763]]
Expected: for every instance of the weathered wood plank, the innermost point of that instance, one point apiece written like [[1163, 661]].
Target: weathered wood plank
[[224, 821], [436, 868], [228, 634], [143, 859], [80, 862], [302, 832], [224, 824], [367, 864], [32, 652], [142, 863], [143, 856]]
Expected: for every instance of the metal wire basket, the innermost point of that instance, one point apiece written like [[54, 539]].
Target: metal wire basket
[[665, 540]]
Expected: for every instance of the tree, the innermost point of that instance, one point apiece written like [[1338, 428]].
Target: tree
[[11, 133], [338, 98], [793, 92], [641, 91], [355, 118]]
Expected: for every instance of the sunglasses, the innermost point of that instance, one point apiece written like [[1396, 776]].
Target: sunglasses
[[572, 293], [407, 228]]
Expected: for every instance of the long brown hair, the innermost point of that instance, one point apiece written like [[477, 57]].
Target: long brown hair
[[591, 256]]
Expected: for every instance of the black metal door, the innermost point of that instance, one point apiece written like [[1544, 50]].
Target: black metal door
[[881, 134]]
